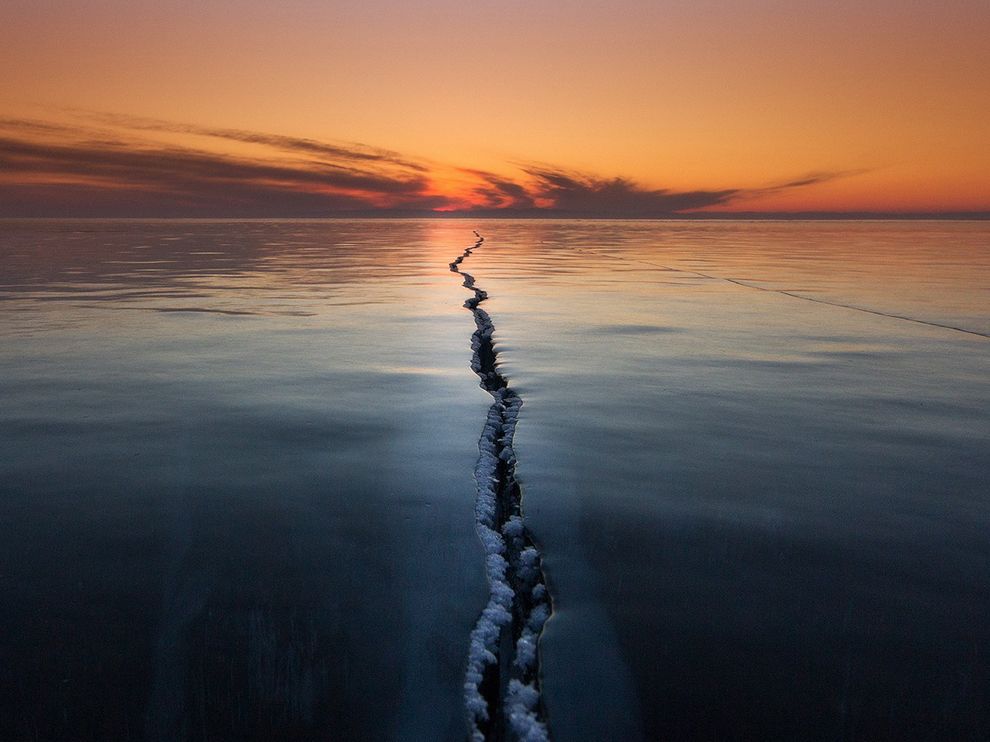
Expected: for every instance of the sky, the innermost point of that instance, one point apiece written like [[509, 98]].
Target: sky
[[627, 108]]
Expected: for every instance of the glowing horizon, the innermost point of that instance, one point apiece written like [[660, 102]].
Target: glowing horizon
[[629, 109]]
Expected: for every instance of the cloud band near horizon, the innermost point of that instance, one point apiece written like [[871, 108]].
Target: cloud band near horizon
[[110, 166]]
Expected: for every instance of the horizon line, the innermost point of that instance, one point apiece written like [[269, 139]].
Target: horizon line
[[548, 214]]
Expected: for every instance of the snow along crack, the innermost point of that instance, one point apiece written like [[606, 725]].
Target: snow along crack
[[502, 682]]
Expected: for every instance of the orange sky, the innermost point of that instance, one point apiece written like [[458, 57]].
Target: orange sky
[[879, 108]]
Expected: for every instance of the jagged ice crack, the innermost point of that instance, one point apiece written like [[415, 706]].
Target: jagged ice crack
[[502, 680]]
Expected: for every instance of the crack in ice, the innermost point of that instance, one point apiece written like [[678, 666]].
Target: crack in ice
[[502, 681]]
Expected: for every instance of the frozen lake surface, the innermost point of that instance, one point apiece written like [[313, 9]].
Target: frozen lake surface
[[237, 487]]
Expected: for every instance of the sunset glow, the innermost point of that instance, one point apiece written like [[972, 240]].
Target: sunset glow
[[597, 109]]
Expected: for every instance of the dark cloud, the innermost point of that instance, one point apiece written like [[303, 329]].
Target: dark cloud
[[76, 200], [584, 195], [178, 166], [498, 192], [49, 166], [567, 193]]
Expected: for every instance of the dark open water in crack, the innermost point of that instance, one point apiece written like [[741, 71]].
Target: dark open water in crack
[[237, 494]]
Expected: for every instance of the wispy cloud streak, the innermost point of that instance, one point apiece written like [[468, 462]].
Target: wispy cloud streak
[[89, 172], [346, 152]]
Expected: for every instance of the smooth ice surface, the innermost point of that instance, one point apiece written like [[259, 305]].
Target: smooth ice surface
[[237, 458], [761, 517], [236, 487]]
